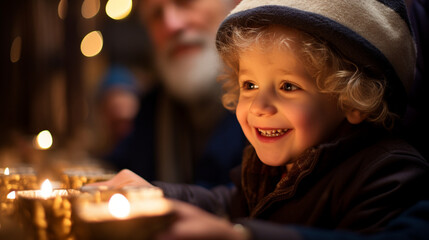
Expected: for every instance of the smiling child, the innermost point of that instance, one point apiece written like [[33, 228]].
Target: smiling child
[[319, 88], [319, 91]]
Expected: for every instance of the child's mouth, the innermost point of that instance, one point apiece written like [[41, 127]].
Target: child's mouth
[[272, 132]]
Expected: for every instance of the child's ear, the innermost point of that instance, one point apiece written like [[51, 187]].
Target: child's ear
[[355, 116]]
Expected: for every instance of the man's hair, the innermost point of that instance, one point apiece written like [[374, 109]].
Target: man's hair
[[355, 87]]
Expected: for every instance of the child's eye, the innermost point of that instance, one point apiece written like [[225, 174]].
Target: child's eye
[[288, 87], [249, 85]]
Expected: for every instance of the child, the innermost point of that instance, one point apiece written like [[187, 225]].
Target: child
[[318, 89]]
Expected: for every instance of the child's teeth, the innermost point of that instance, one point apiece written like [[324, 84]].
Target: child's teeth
[[272, 133]]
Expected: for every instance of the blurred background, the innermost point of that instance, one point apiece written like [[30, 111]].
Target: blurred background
[[59, 61]]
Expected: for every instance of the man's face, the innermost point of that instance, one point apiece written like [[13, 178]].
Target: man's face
[[168, 20], [183, 33]]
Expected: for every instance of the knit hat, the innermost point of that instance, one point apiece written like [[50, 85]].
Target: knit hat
[[118, 77], [368, 32]]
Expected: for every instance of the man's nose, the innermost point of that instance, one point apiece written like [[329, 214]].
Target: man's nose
[[174, 18]]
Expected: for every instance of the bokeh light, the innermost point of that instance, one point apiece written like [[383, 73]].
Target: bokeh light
[[92, 44], [62, 9], [90, 8], [44, 140], [15, 49], [118, 9]]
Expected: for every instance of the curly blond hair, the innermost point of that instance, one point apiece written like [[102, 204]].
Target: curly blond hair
[[355, 87]]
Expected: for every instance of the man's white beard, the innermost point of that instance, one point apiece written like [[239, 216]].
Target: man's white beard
[[191, 77]]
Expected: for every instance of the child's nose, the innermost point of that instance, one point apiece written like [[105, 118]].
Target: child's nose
[[262, 105]]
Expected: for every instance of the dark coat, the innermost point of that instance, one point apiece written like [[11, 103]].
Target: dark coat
[[359, 181], [417, 116], [219, 154], [413, 224]]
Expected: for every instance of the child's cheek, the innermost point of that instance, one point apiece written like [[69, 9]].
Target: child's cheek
[[241, 113], [308, 126]]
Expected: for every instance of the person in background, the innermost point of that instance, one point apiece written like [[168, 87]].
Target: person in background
[[181, 132], [318, 98], [117, 102]]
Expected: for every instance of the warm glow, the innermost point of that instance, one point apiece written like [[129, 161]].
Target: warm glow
[[11, 195], [92, 44], [119, 206], [62, 9], [44, 139], [118, 9], [46, 190], [153, 207], [90, 8], [15, 50], [6, 171]]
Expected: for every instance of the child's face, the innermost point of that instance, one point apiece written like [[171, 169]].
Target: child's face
[[280, 109]]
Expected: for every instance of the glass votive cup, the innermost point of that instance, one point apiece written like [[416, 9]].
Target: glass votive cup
[[46, 218], [13, 179], [94, 217], [10, 228], [75, 178]]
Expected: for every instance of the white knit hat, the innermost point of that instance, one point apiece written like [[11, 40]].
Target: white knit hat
[[368, 32]]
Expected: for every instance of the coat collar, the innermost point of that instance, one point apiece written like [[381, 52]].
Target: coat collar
[[263, 184]]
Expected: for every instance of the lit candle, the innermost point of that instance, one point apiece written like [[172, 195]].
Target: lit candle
[[7, 205], [119, 206], [46, 190], [46, 211], [123, 215], [11, 195], [14, 178]]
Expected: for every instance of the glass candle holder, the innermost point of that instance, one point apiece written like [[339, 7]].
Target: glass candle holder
[[75, 178], [46, 216], [121, 214], [13, 179], [10, 228]]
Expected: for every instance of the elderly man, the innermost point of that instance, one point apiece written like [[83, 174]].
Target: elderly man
[[182, 132]]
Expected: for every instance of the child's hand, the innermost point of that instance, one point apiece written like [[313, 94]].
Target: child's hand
[[194, 223], [123, 178]]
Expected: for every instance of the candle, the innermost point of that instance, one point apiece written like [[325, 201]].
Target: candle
[[119, 206], [10, 229], [11, 179], [46, 212], [75, 178], [125, 215]]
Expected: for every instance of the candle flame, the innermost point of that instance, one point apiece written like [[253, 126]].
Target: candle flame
[[11, 195], [119, 206], [46, 190], [44, 139], [6, 171]]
